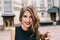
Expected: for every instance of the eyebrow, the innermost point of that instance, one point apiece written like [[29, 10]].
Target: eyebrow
[[25, 15]]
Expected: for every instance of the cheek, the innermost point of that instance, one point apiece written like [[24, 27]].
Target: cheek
[[31, 20], [23, 19]]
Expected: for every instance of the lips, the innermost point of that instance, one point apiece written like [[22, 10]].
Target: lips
[[27, 23]]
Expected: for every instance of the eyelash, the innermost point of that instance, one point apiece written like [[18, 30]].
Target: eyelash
[[30, 16]]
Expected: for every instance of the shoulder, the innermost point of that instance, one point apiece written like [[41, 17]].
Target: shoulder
[[17, 28]]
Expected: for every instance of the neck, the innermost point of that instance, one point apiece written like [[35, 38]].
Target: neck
[[24, 28]]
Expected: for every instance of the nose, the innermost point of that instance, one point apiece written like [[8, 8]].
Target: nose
[[28, 19]]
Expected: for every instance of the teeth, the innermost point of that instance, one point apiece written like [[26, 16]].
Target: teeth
[[27, 23]]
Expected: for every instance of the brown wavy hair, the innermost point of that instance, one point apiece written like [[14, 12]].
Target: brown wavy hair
[[35, 20]]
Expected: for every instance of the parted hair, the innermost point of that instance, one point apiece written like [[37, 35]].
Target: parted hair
[[35, 19]]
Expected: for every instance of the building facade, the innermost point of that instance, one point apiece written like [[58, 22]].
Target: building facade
[[44, 8]]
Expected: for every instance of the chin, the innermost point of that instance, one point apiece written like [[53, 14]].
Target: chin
[[27, 25]]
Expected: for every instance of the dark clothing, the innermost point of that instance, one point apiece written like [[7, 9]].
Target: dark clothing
[[20, 34]]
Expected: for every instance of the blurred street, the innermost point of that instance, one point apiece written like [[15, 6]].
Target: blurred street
[[54, 31], [5, 35]]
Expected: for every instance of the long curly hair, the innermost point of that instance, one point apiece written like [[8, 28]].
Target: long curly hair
[[35, 20]]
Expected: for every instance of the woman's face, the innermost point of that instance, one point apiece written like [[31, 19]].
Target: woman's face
[[27, 19]]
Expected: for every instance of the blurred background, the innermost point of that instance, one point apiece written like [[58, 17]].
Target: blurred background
[[48, 12]]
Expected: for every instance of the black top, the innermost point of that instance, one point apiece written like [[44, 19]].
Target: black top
[[20, 34]]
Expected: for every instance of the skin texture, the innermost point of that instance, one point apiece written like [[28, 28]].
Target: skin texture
[[26, 20]]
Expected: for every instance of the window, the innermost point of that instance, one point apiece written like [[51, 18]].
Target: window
[[24, 2], [42, 14], [49, 0], [11, 22], [59, 3], [42, 5], [42, 0], [34, 3], [6, 23], [49, 5]]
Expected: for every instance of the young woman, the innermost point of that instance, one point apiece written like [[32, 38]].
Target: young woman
[[29, 27]]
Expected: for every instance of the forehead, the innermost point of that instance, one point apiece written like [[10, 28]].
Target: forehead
[[27, 13]]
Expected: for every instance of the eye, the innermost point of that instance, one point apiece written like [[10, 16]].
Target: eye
[[25, 16]]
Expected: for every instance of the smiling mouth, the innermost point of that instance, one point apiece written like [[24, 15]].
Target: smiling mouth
[[28, 23]]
